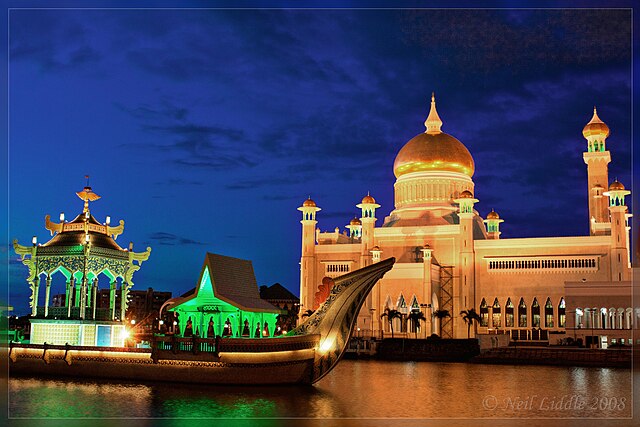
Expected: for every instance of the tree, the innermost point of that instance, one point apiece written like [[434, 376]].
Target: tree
[[441, 314], [416, 317], [391, 314], [470, 316]]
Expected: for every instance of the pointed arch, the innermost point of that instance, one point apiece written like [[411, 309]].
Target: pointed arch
[[496, 314], [509, 314], [522, 314], [415, 306], [562, 313], [484, 313], [535, 313], [548, 314]]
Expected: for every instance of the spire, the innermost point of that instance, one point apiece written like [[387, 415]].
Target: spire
[[433, 122], [595, 118], [87, 195]]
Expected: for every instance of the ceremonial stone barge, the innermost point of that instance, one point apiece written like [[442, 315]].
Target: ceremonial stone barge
[[304, 355]]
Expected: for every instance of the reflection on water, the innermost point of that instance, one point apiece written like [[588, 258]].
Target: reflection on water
[[370, 389]]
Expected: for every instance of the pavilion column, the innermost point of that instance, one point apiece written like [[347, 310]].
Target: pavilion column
[[124, 291], [76, 301], [71, 284], [112, 300], [47, 294], [36, 294], [94, 302], [67, 296], [83, 297]]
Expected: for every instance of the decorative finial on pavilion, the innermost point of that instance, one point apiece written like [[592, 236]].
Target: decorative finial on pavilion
[[87, 195], [433, 122]]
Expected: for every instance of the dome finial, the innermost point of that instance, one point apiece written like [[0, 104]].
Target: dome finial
[[433, 122]]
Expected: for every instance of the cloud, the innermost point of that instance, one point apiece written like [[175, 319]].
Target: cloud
[[171, 239]]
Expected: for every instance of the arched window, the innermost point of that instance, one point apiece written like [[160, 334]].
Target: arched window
[[548, 314], [604, 324], [508, 314], [579, 316], [535, 313], [522, 314], [484, 313], [612, 318], [414, 304], [496, 317], [562, 313]]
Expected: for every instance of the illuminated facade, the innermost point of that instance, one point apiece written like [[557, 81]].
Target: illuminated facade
[[81, 251], [225, 303], [450, 258]]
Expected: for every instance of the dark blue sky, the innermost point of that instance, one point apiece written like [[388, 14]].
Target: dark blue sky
[[205, 129]]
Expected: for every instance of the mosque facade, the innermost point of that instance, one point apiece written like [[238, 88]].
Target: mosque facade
[[451, 259]]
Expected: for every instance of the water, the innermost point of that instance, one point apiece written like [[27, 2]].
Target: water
[[354, 389]]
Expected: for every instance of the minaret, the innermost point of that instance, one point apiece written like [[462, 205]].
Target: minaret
[[355, 229], [308, 259], [619, 232], [493, 225], [368, 207], [466, 296], [368, 221], [597, 159], [428, 296]]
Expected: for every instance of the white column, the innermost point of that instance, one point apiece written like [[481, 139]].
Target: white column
[[112, 299], [94, 297], [47, 294], [35, 295]]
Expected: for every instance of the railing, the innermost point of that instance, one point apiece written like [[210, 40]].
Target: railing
[[62, 313]]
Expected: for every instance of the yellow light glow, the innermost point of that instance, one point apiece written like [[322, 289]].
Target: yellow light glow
[[124, 334], [327, 345]]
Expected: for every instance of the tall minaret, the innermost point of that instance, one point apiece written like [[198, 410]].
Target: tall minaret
[[368, 207], [368, 220], [619, 232], [597, 158], [308, 259], [466, 297]]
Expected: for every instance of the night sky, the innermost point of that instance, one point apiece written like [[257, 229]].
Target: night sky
[[205, 129]]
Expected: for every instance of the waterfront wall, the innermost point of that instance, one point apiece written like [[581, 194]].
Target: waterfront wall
[[443, 350], [557, 356]]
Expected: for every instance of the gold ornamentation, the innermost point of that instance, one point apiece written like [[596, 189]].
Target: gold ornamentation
[[116, 231], [52, 226]]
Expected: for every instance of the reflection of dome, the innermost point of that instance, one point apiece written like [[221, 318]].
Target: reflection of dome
[[368, 199], [433, 150], [493, 215], [466, 194], [595, 127], [616, 186], [309, 203]]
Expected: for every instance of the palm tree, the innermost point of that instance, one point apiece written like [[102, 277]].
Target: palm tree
[[441, 314], [469, 316], [391, 314], [416, 317]]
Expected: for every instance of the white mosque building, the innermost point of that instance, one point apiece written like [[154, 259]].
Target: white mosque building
[[451, 258]]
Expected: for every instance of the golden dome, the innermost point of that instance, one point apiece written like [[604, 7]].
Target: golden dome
[[309, 203], [368, 199], [595, 127], [616, 186], [466, 194], [493, 215], [433, 150], [355, 221]]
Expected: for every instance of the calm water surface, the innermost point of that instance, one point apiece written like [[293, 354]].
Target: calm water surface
[[361, 389]]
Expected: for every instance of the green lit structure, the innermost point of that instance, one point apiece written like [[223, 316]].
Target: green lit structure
[[225, 303], [80, 250]]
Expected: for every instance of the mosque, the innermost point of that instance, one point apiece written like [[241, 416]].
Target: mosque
[[450, 258]]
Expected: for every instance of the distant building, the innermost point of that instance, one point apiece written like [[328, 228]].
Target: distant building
[[282, 298]]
